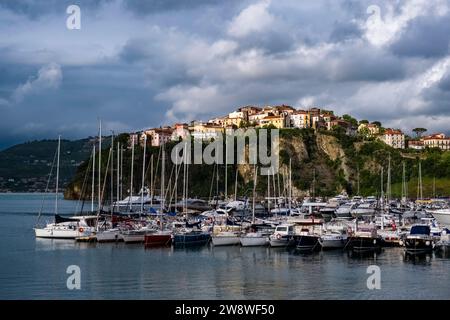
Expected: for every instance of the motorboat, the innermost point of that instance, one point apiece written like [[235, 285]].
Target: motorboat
[[344, 211], [333, 240], [109, 235], [68, 228], [363, 209], [419, 240], [365, 239], [282, 236], [442, 216]]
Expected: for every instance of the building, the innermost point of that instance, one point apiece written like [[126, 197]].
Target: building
[[370, 128], [276, 121], [159, 136], [206, 131], [299, 119], [416, 144], [350, 130], [180, 131], [394, 138], [437, 140]]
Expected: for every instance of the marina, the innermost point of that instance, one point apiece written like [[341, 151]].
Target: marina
[[36, 268]]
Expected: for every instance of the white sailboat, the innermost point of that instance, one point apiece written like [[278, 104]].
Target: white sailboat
[[65, 228]]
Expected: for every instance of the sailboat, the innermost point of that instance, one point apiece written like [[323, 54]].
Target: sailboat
[[256, 238], [62, 227]]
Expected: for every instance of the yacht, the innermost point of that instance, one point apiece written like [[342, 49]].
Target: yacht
[[441, 215], [344, 211], [365, 239], [419, 240], [68, 228], [333, 240], [283, 236], [364, 209]]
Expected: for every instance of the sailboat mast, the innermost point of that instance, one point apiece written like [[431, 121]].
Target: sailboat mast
[[151, 181], [93, 179], [57, 175], [382, 189], [290, 185], [388, 187], [163, 167], [112, 172], [132, 167], [254, 194], [226, 173], [99, 165], [118, 172], [143, 173], [235, 184]]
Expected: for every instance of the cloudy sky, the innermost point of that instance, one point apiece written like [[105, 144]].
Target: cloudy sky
[[138, 64]]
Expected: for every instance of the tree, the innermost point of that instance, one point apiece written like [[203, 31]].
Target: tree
[[350, 119], [364, 122], [419, 131], [377, 123]]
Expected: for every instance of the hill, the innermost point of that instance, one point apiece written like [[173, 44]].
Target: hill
[[323, 163], [25, 167]]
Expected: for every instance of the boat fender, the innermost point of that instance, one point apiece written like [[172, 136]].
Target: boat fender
[[81, 229], [278, 236]]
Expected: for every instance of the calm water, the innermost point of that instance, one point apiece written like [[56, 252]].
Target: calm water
[[36, 269]]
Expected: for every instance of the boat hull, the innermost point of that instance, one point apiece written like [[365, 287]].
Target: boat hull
[[158, 240], [225, 240], [418, 246], [329, 243], [58, 234], [365, 244], [191, 240], [442, 217], [254, 241], [108, 236], [307, 243]]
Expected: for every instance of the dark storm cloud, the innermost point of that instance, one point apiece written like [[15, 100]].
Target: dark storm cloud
[[345, 31], [425, 37], [138, 64]]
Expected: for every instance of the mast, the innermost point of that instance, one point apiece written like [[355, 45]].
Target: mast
[[226, 174], [358, 182], [57, 175], [143, 173], [388, 187], [420, 187], [290, 185], [112, 173], [99, 165], [254, 194], [404, 196], [118, 172], [268, 193], [163, 167], [151, 181], [132, 167], [121, 172], [382, 189], [235, 184], [93, 179]]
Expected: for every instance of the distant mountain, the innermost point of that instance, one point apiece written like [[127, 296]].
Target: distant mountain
[[25, 167]]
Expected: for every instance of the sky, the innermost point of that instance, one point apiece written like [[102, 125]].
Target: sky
[[140, 64]]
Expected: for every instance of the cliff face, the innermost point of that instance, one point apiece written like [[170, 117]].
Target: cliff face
[[323, 163]]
